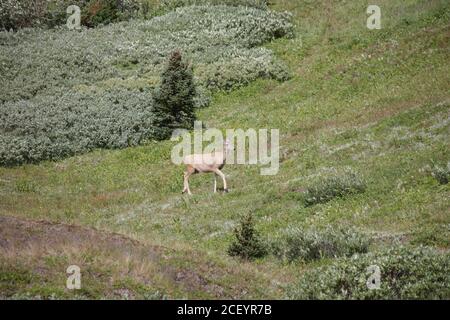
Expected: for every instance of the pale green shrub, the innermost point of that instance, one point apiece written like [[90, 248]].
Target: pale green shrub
[[405, 273], [51, 127], [216, 40], [333, 185], [441, 173], [15, 14], [173, 4], [66, 92], [152, 8], [313, 244]]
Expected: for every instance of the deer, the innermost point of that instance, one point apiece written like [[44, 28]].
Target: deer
[[207, 163]]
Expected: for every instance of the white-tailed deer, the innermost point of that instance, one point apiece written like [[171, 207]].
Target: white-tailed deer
[[206, 163]]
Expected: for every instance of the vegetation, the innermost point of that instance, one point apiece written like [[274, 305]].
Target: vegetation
[[174, 101], [54, 127], [335, 185], [16, 14], [441, 174], [152, 8], [375, 101], [308, 245], [45, 85], [222, 43], [405, 273], [97, 12], [247, 244]]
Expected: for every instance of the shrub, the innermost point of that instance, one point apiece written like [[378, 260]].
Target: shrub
[[336, 185], [202, 97], [406, 273], [16, 14], [56, 127], [215, 39], [247, 244], [174, 100], [62, 74], [97, 12], [169, 5], [441, 174], [151, 8], [312, 244]]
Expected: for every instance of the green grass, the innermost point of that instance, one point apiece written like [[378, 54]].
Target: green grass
[[373, 101]]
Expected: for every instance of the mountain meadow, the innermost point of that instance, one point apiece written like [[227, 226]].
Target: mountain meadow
[[364, 122]]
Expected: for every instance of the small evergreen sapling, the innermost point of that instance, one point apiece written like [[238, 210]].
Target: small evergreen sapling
[[247, 244]]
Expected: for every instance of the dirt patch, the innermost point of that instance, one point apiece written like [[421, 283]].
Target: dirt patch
[[20, 233], [183, 272]]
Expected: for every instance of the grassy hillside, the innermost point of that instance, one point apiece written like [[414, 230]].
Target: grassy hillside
[[94, 87], [375, 102]]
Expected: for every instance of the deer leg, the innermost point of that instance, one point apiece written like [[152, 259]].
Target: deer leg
[[215, 182], [187, 174], [223, 179], [185, 183]]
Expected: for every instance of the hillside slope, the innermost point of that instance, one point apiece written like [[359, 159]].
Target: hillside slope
[[375, 102]]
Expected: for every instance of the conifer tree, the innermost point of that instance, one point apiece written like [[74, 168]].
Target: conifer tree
[[174, 99], [247, 242]]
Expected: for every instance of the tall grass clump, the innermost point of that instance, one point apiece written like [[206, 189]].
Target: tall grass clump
[[405, 273], [247, 243], [313, 244], [333, 185]]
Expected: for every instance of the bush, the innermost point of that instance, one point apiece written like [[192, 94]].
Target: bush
[[336, 185], [97, 12], [151, 8], [441, 174], [172, 4], [174, 100], [313, 244], [406, 273], [49, 76], [202, 97], [247, 244], [16, 14], [56, 127], [215, 39]]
